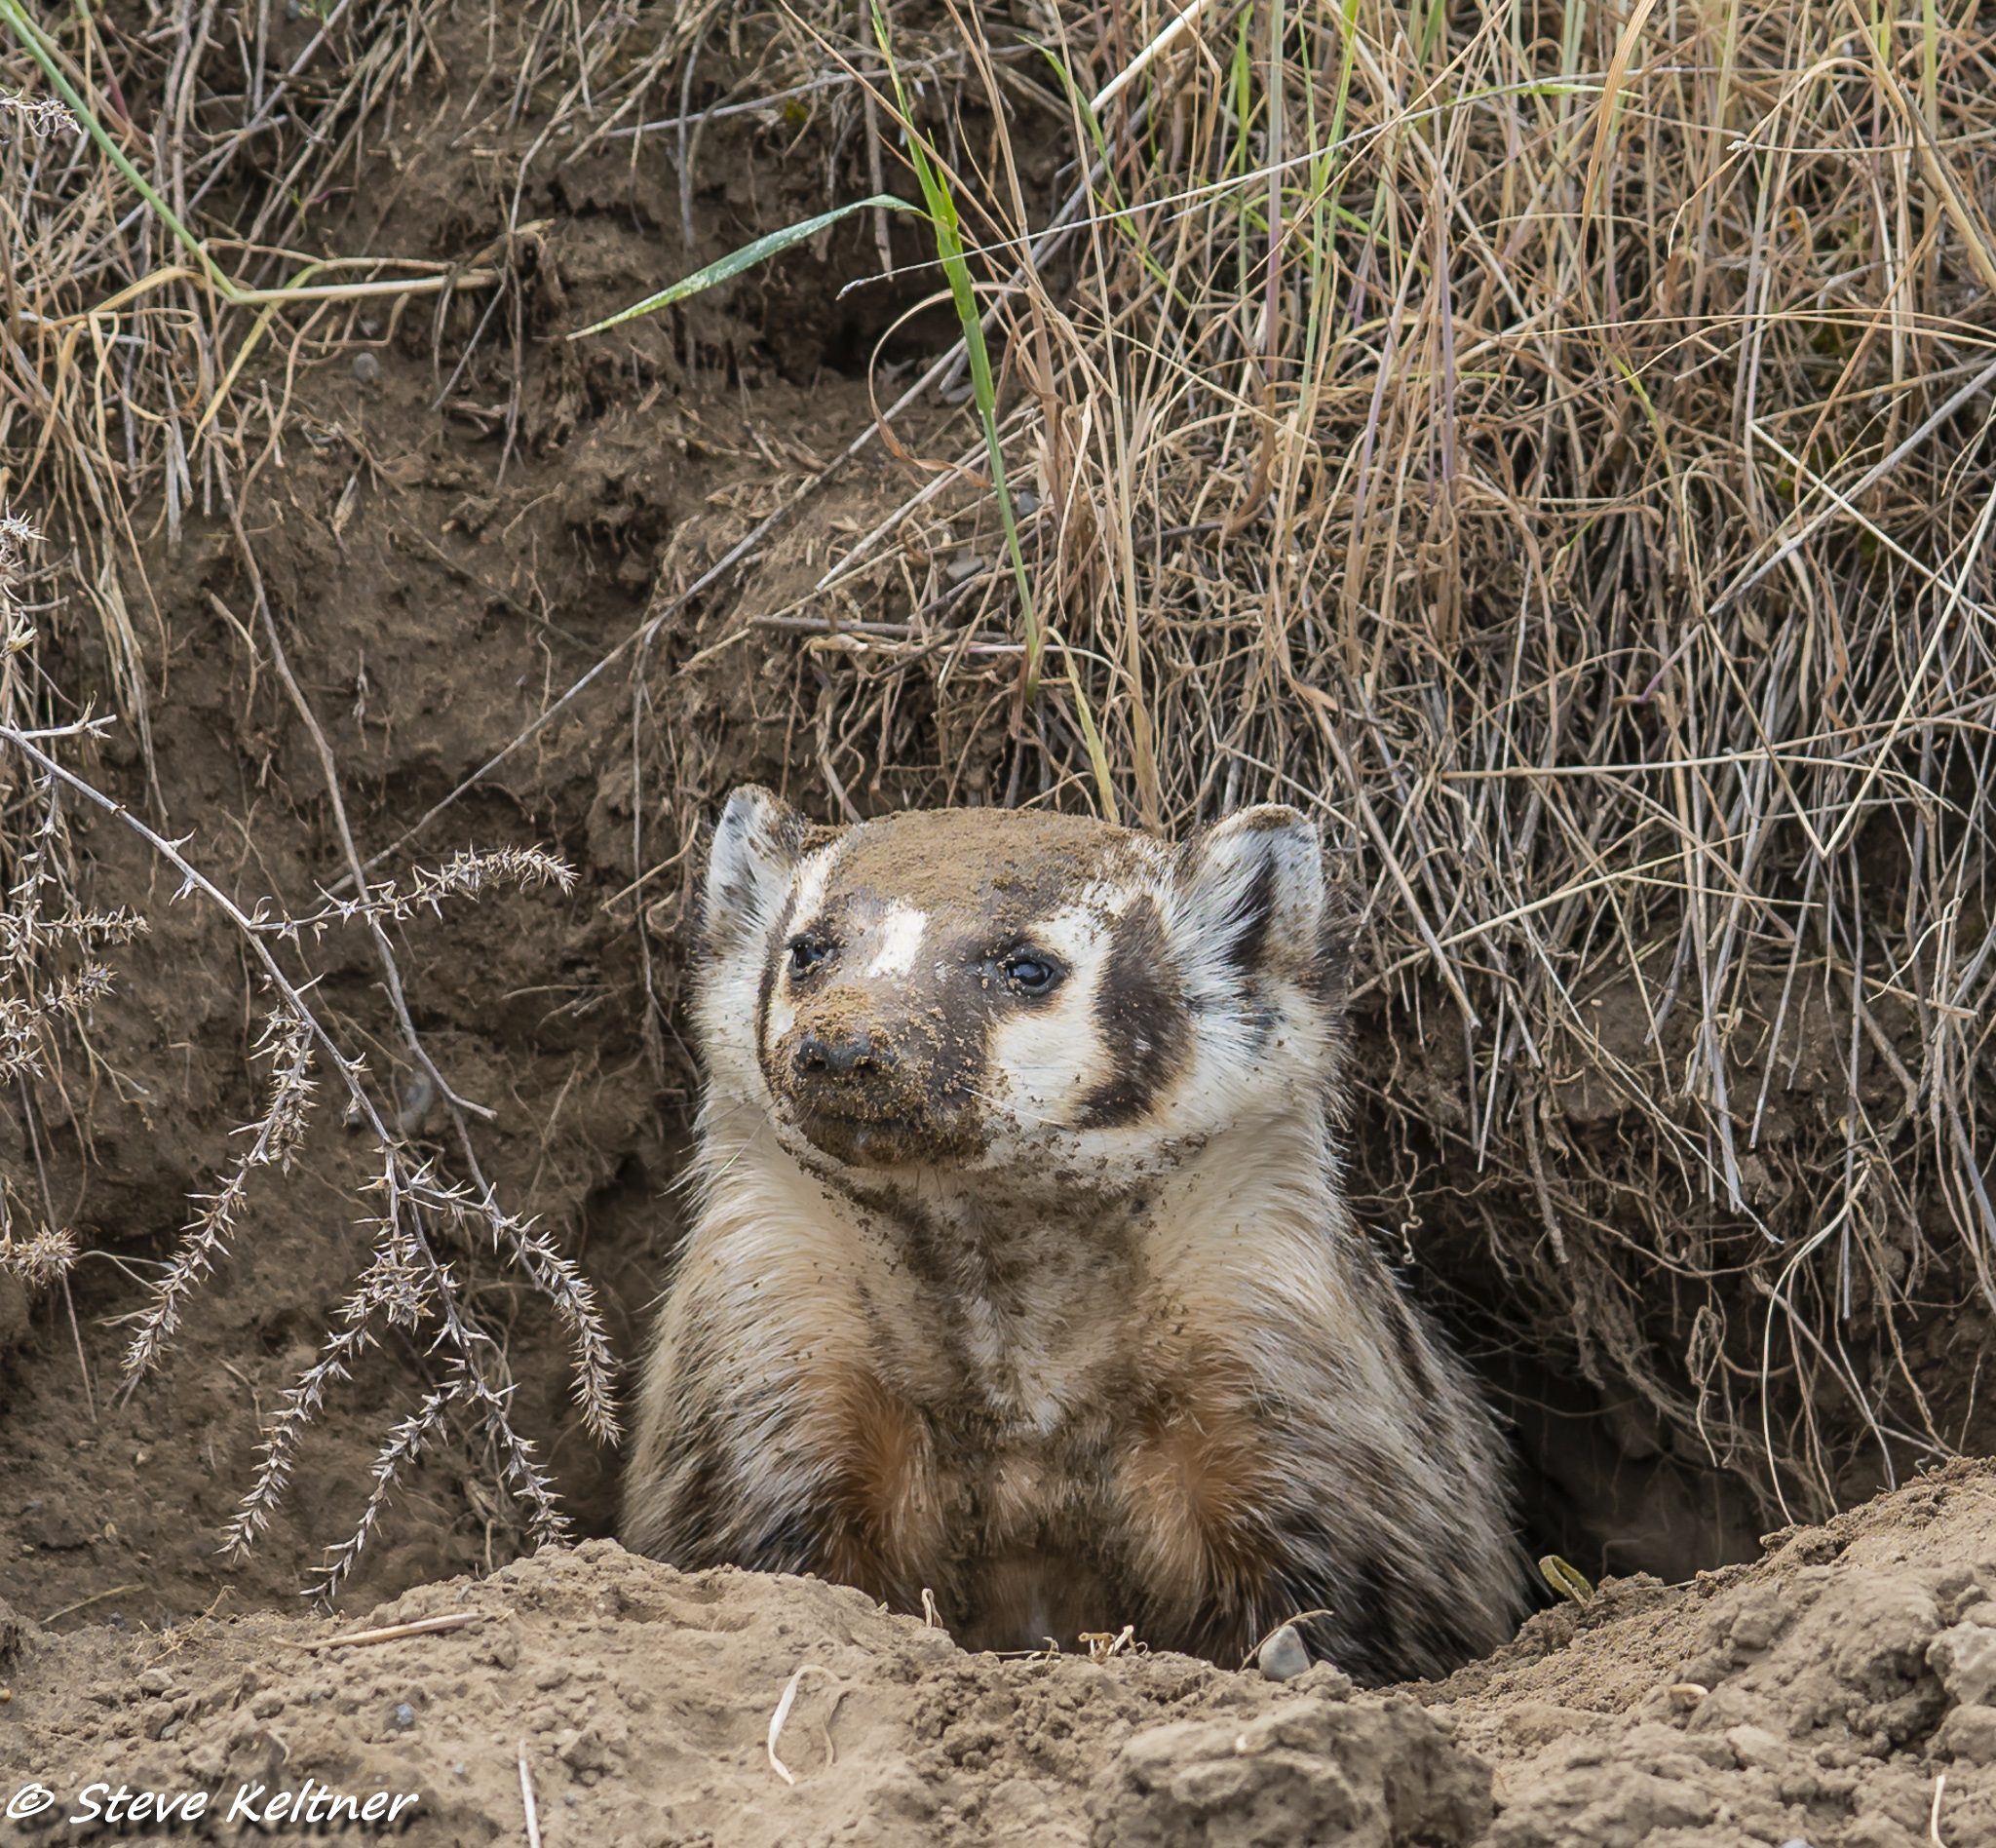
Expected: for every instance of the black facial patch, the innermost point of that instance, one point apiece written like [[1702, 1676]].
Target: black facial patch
[[1140, 1013], [765, 988]]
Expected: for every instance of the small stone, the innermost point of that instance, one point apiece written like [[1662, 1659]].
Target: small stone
[[366, 368], [1965, 1659], [1326, 1680], [1968, 1735], [582, 1751], [1685, 1695], [402, 1716], [1284, 1655], [1756, 1746], [208, 1763], [1757, 1624]]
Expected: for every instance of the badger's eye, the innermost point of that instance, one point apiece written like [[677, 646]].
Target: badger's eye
[[1031, 971], [808, 953]]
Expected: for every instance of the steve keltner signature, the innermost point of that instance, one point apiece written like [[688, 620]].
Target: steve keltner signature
[[251, 1805]]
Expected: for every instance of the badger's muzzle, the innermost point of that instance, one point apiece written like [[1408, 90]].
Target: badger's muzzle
[[870, 1096]]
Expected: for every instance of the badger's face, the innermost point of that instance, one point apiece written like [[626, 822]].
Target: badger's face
[[1012, 993]]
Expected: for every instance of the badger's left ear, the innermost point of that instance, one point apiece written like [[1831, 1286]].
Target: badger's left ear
[[1251, 888], [756, 845]]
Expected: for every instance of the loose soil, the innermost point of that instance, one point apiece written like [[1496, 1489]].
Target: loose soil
[[444, 562], [1836, 1694]]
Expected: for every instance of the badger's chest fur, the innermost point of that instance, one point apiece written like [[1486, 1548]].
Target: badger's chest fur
[[1021, 1272]]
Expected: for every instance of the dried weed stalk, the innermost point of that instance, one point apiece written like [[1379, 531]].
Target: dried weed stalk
[[50, 974], [419, 1217], [122, 365]]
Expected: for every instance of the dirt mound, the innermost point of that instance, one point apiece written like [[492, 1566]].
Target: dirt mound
[[1836, 1693]]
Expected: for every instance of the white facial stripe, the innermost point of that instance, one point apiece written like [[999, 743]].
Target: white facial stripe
[[808, 895], [1042, 1062], [809, 889], [901, 937]]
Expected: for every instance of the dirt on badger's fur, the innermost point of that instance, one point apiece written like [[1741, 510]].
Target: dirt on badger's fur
[[1841, 1692]]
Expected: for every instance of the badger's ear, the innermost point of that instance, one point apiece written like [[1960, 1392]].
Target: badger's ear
[[756, 845], [1251, 888]]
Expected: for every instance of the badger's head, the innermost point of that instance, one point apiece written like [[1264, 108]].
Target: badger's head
[[1012, 994]]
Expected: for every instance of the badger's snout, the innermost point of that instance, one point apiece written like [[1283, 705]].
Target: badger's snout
[[841, 1055], [867, 1086]]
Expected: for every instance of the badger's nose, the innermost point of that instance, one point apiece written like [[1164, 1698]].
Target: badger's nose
[[841, 1055]]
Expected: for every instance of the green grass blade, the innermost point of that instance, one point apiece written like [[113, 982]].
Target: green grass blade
[[726, 268], [37, 47]]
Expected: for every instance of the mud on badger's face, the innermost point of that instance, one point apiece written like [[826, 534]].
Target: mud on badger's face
[[1001, 990]]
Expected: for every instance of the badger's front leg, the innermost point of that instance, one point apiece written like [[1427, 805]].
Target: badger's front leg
[[1358, 1494], [787, 1464], [765, 1437], [1213, 1563]]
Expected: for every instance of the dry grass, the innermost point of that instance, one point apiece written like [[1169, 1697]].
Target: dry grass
[[1550, 444]]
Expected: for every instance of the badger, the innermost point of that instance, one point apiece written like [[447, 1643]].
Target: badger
[[1020, 1289]]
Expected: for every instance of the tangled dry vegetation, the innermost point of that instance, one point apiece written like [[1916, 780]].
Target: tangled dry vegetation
[[1551, 443]]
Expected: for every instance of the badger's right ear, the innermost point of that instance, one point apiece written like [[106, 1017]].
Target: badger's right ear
[[1252, 888], [758, 844]]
